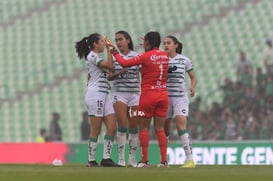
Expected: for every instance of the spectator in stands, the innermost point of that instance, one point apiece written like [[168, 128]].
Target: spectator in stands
[[227, 89], [270, 123], [268, 57], [241, 128], [251, 125], [264, 129], [230, 125], [244, 70], [260, 80], [42, 138], [269, 87], [238, 92], [85, 126], [55, 131]]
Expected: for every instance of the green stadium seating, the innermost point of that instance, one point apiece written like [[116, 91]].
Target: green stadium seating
[[38, 50]]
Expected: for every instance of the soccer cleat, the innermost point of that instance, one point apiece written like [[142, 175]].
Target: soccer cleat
[[163, 165], [108, 163], [122, 163], [132, 162], [188, 164], [142, 164], [92, 164]]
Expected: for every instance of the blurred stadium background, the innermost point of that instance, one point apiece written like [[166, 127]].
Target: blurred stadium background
[[40, 73]]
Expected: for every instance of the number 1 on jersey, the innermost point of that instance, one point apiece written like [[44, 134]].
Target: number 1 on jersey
[[161, 71]]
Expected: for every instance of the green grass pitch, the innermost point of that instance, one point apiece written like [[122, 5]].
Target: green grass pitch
[[72, 172]]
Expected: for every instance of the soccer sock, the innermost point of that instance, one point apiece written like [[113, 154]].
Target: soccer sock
[[121, 140], [144, 143], [92, 147], [107, 147], [162, 143], [186, 142], [133, 142]]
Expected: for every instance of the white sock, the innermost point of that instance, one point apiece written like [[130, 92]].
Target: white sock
[[186, 142], [107, 148], [121, 140], [133, 143], [92, 147]]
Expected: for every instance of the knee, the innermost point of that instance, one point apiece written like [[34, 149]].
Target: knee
[[95, 131], [112, 130]]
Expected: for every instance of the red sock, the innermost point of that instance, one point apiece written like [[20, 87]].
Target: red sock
[[144, 143], [162, 143]]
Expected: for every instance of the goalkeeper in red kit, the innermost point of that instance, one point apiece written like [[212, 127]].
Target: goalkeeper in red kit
[[154, 95]]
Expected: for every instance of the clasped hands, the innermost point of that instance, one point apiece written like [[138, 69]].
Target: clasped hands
[[110, 45]]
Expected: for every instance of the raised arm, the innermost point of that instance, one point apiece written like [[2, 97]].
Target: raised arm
[[108, 64], [138, 60], [129, 62]]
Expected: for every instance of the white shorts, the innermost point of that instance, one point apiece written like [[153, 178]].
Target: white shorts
[[178, 106], [98, 104], [130, 99]]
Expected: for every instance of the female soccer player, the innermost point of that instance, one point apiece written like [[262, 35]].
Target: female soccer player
[[154, 95], [100, 108], [125, 96], [179, 65]]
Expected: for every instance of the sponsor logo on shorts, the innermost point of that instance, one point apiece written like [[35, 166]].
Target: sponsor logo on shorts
[[99, 111]]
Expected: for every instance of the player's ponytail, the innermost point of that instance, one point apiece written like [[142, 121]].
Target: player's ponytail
[[85, 45], [179, 48], [82, 48]]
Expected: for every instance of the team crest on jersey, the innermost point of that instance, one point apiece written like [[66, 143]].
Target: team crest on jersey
[[181, 60], [183, 111]]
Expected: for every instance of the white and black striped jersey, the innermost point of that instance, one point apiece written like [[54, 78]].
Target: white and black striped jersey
[[176, 78], [130, 81], [98, 77]]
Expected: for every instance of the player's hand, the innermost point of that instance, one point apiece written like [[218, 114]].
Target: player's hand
[[108, 42], [123, 71], [110, 45], [192, 91]]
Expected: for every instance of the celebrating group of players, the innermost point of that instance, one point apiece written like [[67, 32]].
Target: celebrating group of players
[[144, 86]]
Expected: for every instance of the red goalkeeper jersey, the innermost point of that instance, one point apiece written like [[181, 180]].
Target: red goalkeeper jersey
[[154, 68]]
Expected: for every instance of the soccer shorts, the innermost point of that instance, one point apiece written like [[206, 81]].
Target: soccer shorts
[[130, 99], [153, 103], [178, 106], [98, 104]]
